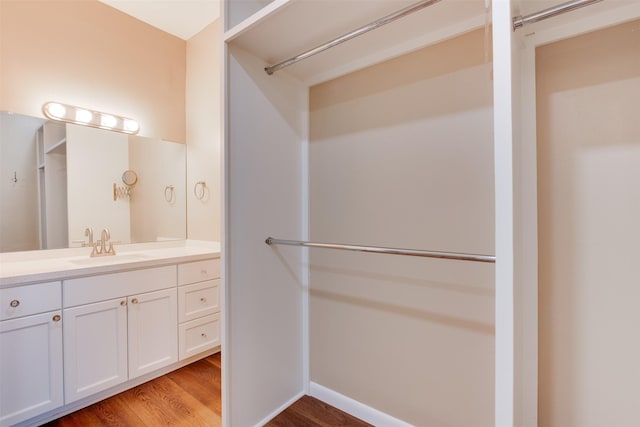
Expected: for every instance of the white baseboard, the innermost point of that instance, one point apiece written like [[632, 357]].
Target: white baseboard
[[284, 406], [355, 408]]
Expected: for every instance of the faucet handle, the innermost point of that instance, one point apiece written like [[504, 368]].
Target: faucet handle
[[95, 251], [89, 233]]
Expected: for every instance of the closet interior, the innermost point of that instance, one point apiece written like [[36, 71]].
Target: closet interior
[[416, 136]]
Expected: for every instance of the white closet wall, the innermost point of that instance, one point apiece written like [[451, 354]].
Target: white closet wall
[[589, 203], [401, 155], [264, 186], [19, 196]]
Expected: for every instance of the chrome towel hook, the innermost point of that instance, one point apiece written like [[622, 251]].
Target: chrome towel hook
[[169, 193], [199, 189]]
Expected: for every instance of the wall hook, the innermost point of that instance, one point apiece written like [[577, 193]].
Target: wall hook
[[199, 193], [169, 193]]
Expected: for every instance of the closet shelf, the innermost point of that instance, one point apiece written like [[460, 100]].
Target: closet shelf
[[59, 147], [286, 28], [577, 21]]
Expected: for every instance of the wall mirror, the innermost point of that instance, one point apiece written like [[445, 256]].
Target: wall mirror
[[60, 179]]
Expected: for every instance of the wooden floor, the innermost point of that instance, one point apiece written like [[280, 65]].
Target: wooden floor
[[311, 412], [189, 397]]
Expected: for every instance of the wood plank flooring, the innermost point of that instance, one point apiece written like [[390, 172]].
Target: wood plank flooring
[[190, 396], [310, 412]]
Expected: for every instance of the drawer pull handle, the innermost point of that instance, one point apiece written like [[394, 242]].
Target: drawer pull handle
[[56, 318], [14, 303], [134, 301], [203, 335], [123, 303], [203, 299]]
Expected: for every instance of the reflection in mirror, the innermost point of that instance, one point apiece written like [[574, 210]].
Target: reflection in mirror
[[60, 179]]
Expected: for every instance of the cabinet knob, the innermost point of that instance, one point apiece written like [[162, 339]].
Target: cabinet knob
[[203, 299], [134, 301], [123, 303], [203, 335], [56, 318], [14, 303]]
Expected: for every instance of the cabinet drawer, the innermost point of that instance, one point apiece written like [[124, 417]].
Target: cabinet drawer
[[199, 271], [199, 299], [199, 335], [30, 299], [103, 287]]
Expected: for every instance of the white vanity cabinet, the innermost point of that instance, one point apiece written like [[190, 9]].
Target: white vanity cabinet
[[121, 324], [198, 306], [95, 339], [30, 351], [118, 326], [152, 331]]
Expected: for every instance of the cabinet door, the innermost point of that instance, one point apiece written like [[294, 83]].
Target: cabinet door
[[30, 366], [153, 331], [95, 343]]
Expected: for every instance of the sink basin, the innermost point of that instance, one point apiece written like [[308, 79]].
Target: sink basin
[[108, 260]]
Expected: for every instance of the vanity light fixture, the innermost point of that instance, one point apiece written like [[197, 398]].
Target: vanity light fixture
[[96, 119]]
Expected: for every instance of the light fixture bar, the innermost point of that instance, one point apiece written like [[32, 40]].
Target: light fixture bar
[[86, 117], [520, 21]]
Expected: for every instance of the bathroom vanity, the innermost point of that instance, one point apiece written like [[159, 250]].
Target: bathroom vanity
[[75, 330]]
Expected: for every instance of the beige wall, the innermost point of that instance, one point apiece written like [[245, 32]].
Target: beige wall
[[88, 54], [401, 155], [588, 98], [204, 82]]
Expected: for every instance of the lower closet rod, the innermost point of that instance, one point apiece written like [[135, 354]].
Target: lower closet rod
[[381, 250]]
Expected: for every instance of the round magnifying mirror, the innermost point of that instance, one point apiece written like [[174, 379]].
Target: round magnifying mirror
[[129, 177]]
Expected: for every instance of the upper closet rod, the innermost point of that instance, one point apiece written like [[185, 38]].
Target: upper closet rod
[[381, 250], [355, 33], [520, 21]]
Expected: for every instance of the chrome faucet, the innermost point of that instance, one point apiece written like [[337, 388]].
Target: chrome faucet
[[102, 250]]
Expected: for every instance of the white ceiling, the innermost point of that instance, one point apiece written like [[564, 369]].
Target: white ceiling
[[182, 18]]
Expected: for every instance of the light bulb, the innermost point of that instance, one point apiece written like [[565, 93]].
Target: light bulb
[[107, 120], [83, 116], [131, 126], [56, 110]]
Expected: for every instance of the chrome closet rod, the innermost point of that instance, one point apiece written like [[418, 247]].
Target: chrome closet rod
[[346, 37], [382, 250], [520, 21]]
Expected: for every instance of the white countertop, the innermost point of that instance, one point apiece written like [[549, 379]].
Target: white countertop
[[20, 268]]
